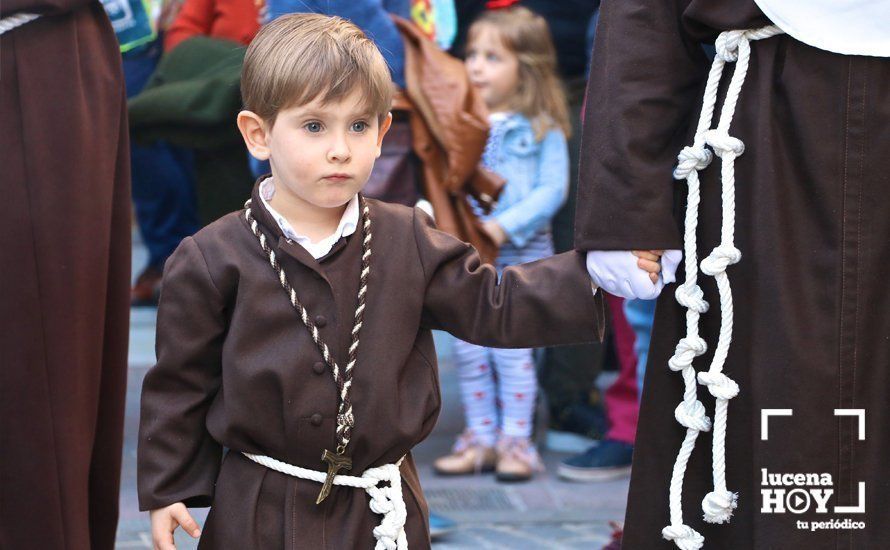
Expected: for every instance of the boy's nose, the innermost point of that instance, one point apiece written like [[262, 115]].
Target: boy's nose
[[339, 151]]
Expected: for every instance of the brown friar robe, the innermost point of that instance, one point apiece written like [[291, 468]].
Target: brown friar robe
[[811, 330], [64, 276], [237, 368]]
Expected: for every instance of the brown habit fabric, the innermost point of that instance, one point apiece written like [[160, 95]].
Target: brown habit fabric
[[65, 269], [237, 369], [811, 332]]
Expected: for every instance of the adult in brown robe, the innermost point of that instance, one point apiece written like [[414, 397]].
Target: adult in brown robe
[[811, 329], [65, 268], [237, 368]]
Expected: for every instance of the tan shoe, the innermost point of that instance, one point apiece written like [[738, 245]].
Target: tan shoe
[[518, 459], [468, 456]]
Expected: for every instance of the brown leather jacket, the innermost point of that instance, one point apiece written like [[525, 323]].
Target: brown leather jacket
[[449, 126]]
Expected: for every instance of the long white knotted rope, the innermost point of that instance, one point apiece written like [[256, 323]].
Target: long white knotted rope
[[386, 500], [718, 505], [17, 20]]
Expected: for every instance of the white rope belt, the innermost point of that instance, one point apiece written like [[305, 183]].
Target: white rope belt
[[17, 20], [718, 505], [387, 500]]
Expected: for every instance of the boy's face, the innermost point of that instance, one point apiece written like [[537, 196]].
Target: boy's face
[[321, 155]]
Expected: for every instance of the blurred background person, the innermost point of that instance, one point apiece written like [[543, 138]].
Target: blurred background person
[[576, 417], [164, 175], [511, 61]]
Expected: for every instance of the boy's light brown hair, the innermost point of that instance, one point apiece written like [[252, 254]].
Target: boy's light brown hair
[[299, 57], [540, 95]]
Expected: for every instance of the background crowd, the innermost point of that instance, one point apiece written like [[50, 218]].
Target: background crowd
[[515, 202], [188, 168]]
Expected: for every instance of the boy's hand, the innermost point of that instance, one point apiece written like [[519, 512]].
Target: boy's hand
[[165, 520], [649, 261]]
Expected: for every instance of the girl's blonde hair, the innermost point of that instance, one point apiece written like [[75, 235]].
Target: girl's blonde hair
[[540, 95]]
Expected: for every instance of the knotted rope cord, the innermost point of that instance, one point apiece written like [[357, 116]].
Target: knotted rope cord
[[17, 20], [718, 505], [386, 501], [343, 379]]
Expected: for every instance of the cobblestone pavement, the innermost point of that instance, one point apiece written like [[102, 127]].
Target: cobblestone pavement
[[545, 513]]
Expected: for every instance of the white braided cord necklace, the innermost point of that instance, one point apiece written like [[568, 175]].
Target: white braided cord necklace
[[342, 377]]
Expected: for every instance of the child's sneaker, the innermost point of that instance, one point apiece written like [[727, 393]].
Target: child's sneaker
[[468, 456], [518, 459], [609, 459]]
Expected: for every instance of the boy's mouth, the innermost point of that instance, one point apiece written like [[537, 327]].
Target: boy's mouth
[[337, 177]]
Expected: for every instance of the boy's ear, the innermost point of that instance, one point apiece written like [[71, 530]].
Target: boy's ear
[[384, 127], [253, 130]]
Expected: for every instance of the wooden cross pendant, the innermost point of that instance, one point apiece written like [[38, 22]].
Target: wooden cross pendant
[[336, 462]]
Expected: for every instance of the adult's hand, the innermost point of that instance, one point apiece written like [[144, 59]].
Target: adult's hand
[[619, 272]]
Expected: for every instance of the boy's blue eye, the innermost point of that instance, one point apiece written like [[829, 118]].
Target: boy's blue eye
[[313, 127], [359, 126]]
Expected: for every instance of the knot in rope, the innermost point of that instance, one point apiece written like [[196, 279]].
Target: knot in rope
[[688, 348], [684, 536], [727, 45], [691, 297], [691, 159], [720, 258], [692, 415], [388, 502], [723, 143], [718, 506], [720, 385]]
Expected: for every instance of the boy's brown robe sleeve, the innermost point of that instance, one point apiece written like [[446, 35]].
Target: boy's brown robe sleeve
[[543, 303], [178, 460]]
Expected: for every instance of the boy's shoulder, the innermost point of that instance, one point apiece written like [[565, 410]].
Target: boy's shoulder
[[226, 229], [231, 231], [397, 216]]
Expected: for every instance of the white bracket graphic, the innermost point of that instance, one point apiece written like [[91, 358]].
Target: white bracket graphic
[[854, 412], [764, 420], [859, 508]]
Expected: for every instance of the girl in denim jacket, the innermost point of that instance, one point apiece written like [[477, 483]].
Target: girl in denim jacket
[[511, 61]]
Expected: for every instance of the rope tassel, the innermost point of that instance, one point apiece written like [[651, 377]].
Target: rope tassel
[[718, 505]]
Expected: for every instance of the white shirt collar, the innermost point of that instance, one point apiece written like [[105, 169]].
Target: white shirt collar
[[348, 223]]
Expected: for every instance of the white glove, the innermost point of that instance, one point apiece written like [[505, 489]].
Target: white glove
[[617, 272]]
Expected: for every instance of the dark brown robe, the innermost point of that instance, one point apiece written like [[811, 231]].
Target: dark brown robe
[[237, 368], [65, 272], [811, 329]]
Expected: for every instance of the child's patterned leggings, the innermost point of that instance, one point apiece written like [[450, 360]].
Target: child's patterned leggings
[[490, 377]]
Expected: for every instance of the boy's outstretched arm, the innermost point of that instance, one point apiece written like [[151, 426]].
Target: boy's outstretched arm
[[544, 303]]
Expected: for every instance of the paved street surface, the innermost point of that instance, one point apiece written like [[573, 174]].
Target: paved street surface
[[544, 513]]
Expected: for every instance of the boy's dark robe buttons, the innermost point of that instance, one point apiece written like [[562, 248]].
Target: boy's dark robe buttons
[[320, 321], [315, 419], [318, 367]]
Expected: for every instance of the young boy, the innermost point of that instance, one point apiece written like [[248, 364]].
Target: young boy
[[300, 328]]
